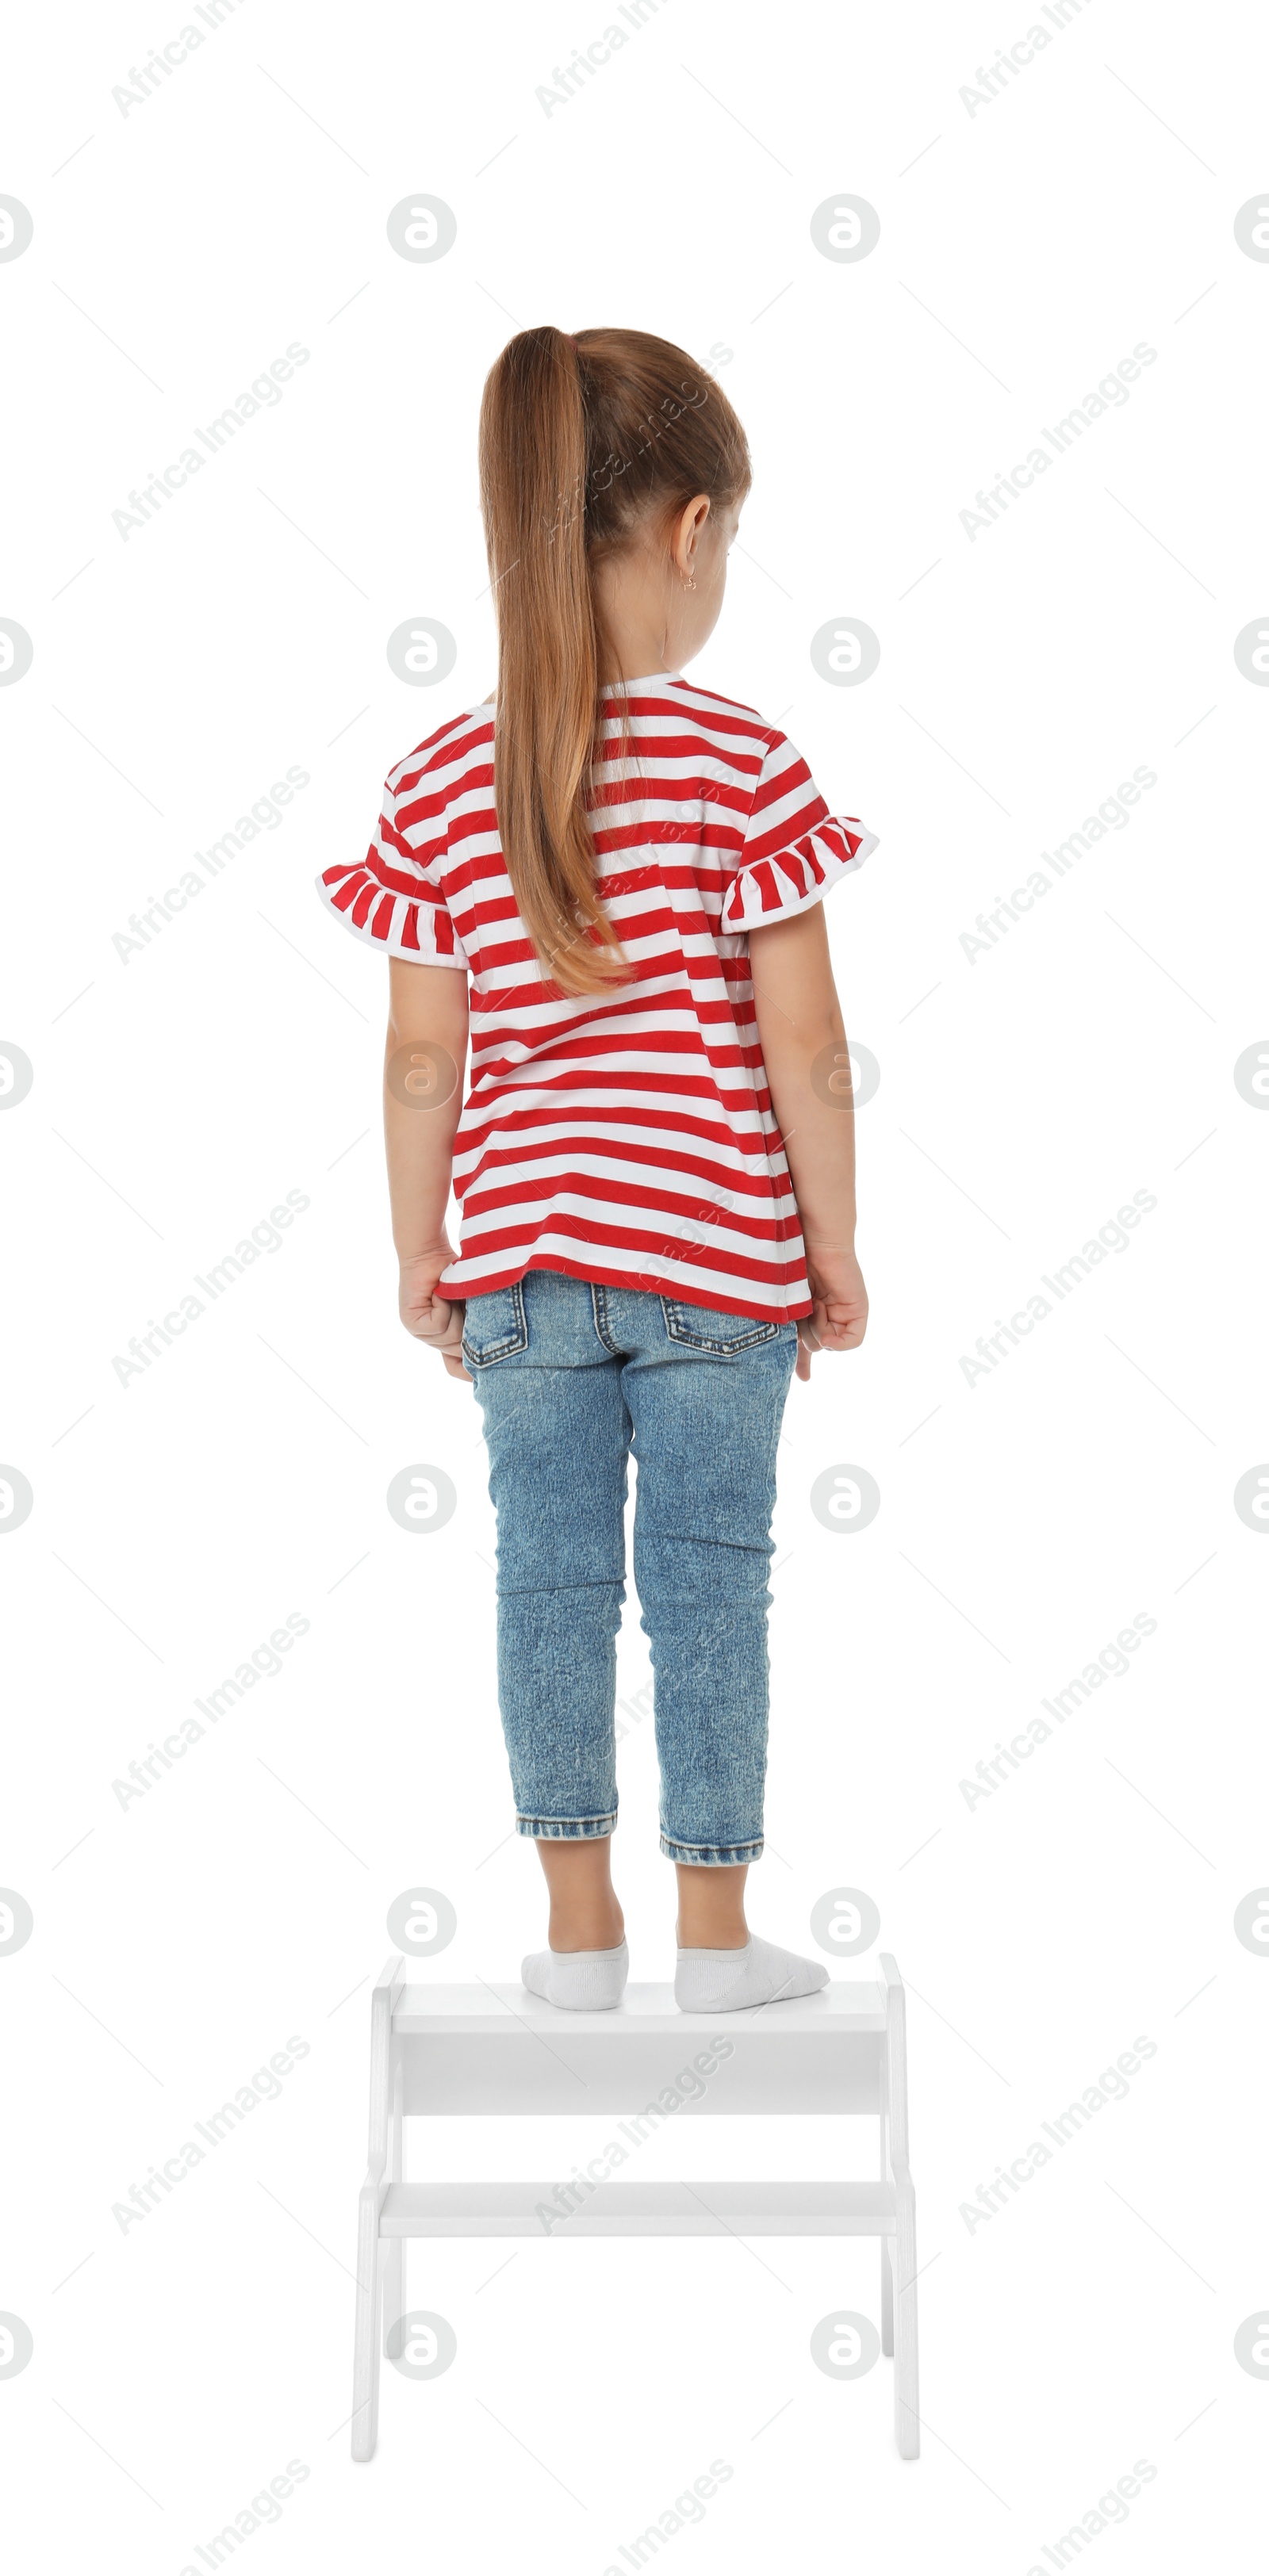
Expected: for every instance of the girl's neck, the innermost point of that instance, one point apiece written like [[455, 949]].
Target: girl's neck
[[633, 650]]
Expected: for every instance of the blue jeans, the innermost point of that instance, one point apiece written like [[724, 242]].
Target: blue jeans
[[572, 1378]]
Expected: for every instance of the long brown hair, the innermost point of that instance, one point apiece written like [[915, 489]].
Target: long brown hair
[[581, 441]]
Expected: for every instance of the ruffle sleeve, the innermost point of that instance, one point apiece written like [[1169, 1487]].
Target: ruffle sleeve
[[794, 851], [769, 890], [394, 898]]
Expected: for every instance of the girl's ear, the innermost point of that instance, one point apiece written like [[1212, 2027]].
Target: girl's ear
[[686, 532]]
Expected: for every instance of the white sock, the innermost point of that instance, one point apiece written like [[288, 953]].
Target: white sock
[[730, 1980], [578, 1980]]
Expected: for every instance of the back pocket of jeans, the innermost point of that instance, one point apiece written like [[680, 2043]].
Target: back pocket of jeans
[[494, 1326], [706, 1328]]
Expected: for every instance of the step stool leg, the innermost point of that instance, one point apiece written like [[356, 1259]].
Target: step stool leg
[[907, 2419], [394, 2250], [365, 2420], [894, 2133], [393, 2289], [385, 2139], [887, 2263]]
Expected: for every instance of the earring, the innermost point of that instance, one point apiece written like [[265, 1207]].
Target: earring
[[689, 584]]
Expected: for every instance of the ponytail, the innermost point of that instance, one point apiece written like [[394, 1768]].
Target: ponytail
[[579, 440]]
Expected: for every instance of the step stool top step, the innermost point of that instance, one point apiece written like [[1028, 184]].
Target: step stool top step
[[645, 2010]]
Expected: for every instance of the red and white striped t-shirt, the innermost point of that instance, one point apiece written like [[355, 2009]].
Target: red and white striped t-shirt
[[626, 1137]]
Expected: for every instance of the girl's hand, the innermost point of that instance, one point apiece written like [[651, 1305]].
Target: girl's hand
[[438, 1321], [840, 1316]]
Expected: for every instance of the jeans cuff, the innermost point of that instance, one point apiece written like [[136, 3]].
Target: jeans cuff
[[711, 1855], [566, 1829]]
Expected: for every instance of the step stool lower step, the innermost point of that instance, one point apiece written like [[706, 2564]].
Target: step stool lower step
[[639, 2209]]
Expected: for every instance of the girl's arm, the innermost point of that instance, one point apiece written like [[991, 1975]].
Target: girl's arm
[[803, 1042], [424, 1058]]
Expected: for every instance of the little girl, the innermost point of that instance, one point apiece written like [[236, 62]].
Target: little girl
[[620, 876]]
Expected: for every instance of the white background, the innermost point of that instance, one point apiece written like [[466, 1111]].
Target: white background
[[1026, 1517]]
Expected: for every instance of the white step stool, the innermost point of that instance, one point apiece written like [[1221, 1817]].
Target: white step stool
[[439, 2050]]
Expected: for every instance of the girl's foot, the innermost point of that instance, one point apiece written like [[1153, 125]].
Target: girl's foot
[[578, 1980], [708, 1981]]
